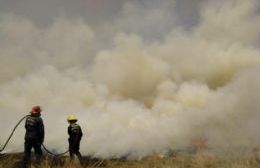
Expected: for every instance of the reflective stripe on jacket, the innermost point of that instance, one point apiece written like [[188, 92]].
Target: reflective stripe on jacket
[[75, 132]]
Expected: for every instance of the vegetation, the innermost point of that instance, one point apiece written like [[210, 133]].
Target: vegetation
[[179, 161]]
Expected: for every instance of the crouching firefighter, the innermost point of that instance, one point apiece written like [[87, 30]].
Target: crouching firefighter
[[75, 134], [34, 135]]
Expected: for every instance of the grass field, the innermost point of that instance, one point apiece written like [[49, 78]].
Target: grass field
[[178, 161]]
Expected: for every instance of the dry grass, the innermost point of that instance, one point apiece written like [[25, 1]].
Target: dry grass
[[180, 161]]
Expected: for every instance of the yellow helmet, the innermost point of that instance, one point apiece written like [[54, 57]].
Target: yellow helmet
[[72, 118]]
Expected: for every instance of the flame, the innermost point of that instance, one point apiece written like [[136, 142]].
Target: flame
[[200, 145]]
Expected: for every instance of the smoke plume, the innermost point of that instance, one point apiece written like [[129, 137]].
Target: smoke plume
[[140, 76]]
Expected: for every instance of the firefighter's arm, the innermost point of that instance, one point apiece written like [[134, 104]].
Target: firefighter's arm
[[42, 132]]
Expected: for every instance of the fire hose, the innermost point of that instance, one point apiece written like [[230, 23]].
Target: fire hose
[[10, 136], [53, 154], [15, 127], [97, 164]]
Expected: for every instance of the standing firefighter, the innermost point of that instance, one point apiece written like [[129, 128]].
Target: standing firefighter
[[34, 135], [75, 135]]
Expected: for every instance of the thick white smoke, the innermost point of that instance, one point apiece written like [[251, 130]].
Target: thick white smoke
[[134, 97]]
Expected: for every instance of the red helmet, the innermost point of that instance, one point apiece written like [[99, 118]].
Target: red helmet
[[36, 110]]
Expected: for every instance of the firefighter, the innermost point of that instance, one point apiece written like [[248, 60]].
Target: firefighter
[[34, 135], [75, 134]]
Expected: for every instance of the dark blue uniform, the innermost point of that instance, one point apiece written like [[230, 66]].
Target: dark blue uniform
[[75, 135], [34, 137]]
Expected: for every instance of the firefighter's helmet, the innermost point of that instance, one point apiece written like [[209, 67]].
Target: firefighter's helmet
[[72, 118], [36, 110]]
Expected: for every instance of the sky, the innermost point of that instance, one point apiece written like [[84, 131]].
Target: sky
[[142, 76]]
